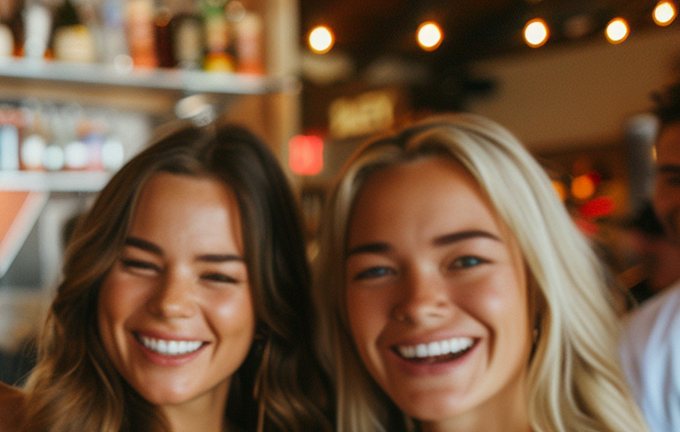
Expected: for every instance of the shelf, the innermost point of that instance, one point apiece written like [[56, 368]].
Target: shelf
[[58, 181], [191, 81]]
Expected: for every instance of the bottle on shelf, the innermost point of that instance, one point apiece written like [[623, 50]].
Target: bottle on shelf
[[140, 32], [164, 49], [248, 38], [72, 41], [11, 122], [37, 27], [114, 47], [6, 41], [11, 16], [217, 37]]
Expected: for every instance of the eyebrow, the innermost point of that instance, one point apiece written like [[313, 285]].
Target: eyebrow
[[156, 250], [463, 235], [218, 258], [382, 247], [377, 247], [144, 245]]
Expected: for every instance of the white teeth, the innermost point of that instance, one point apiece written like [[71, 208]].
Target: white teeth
[[170, 347], [432, 349]]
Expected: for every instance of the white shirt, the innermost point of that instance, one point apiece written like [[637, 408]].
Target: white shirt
[[650, 356]]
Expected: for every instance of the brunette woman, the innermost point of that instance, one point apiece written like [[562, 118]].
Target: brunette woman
[[184, 303]]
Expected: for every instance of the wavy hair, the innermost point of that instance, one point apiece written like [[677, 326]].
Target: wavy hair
[[279, 387], [574, 379]]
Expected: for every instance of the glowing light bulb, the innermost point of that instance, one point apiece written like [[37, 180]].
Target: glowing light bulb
[[429, 36], [582, 187], [321, 39], [617, 30], [536, 33], [664, 13]]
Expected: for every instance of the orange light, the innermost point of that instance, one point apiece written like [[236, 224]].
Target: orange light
[[429, 36], [664, 13], [321, 39], [583, 187], [536, 33], [305, 154], [617, 30]]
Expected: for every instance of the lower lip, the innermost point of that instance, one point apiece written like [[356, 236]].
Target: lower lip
[[419, 369], [167, 360]]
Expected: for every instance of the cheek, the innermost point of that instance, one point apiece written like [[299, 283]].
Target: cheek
[[233, 313], [367, 314]]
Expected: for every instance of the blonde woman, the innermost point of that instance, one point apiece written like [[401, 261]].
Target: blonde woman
[[184, 304], [455, 294]]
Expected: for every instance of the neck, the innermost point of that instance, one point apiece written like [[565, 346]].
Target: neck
[[207, 413], [506, 412]]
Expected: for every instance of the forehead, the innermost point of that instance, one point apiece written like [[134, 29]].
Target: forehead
[[422, 197], [185, 206]]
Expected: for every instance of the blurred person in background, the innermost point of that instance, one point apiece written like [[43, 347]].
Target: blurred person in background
[[655, 255], [455, 293], [184, 303], [650, 347]]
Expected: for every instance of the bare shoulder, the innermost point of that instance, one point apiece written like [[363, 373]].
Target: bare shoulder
[[11, 408]]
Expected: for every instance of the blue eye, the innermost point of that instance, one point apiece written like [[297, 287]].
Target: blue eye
[[374, 272], [466, 262]]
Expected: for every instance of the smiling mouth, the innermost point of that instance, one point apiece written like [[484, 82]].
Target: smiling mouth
[[435, 352], [170, 347]]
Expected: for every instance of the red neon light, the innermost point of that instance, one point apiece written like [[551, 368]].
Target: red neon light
[[305, 154]]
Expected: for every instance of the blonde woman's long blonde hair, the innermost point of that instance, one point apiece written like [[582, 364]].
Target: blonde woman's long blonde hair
[[575, 382]]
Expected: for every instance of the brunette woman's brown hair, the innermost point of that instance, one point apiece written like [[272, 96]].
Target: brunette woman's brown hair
[[279, 387]]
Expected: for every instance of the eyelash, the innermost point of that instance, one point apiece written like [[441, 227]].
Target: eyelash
[[459, 263], [370, 273], [140, 265], [464, 262], [220, 278], [210, 277]]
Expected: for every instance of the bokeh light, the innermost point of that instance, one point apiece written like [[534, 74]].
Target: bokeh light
[[536, 33], [664, 13], [321, 39], [429, 36], [583, 187], [617, 30]]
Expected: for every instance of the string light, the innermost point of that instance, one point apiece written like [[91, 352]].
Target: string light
[[617, 30], [321, 39], [429, 36], [664, 13], [536, 33]]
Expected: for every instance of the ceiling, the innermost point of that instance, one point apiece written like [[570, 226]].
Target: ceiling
[[369, 29], [373, 33]]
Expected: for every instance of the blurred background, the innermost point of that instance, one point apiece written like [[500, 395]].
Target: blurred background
[[85, 84]]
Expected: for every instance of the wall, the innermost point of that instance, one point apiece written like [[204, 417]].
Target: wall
[[558, 99]]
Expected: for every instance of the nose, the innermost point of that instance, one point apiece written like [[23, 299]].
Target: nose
[[424, 298], [172, 297]]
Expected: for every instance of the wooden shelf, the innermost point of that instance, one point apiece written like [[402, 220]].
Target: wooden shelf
[[151, 91], [191, 81]]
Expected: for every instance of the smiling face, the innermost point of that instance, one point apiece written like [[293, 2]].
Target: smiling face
[[437, 298], [175, 312]]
